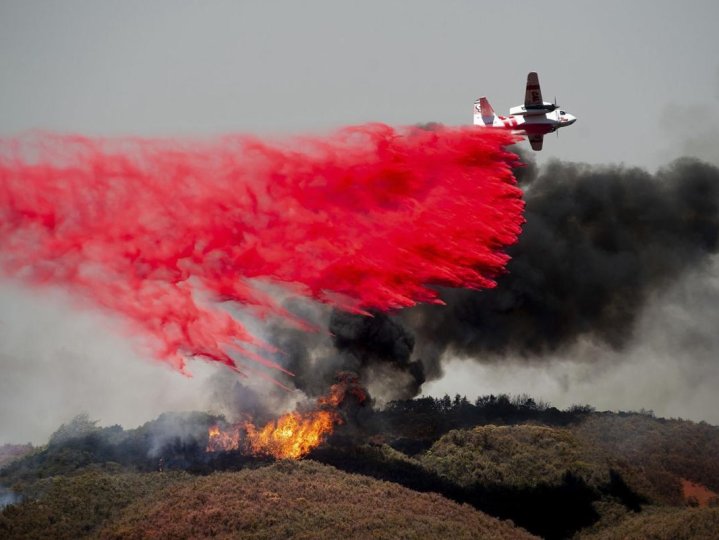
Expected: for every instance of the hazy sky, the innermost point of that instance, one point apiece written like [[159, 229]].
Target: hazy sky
[[642, 77]]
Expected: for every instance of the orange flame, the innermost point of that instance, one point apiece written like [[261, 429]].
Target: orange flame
[[292, 435], [220, 440], [348, 384]]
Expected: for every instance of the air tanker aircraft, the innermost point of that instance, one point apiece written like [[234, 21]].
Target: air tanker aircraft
[[535, 118]]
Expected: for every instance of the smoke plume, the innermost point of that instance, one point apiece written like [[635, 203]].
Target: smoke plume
[[162, 232], [598, 243]]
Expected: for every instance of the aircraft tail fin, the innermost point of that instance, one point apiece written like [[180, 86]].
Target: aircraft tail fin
[[485, 108], [483, 112]]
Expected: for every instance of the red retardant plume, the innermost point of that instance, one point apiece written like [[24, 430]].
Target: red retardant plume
[[162, 232]]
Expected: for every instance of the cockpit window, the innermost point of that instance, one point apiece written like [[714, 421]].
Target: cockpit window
[[562, 112]]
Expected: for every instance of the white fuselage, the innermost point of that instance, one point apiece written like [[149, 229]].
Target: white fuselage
[[535, 118], [530, 122]]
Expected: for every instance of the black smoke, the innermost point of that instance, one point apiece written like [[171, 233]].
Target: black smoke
[[377, 348], [598, 243]]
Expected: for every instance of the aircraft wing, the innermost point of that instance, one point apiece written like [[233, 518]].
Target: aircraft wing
[[536, 142], [533, 93]]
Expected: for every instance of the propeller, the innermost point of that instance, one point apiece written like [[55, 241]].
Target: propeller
[[555, 108]]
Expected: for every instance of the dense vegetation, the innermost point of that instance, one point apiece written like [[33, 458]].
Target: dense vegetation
[[555, 473], [542, 478], [75, 506], [519, 456], [178, 438], [662, 524], [287, 499], [668, 450], [412, 426]]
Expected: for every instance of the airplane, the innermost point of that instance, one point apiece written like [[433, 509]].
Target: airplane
[[535, 118]]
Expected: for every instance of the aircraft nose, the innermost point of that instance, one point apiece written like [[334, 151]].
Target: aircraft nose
[[571, 119]]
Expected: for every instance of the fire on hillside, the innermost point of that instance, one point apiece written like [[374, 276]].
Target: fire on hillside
[[292, 435]]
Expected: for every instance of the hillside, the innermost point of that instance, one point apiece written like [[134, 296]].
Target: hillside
[[545, 478], [557, 474], [517, 456], [75, 506], [668, 450], [286, 499], [661, 524]]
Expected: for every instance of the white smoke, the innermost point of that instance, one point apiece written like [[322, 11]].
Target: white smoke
[[58, 361]]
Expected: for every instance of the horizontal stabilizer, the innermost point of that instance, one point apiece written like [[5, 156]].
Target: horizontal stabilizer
[[485, 108], [483, 112]]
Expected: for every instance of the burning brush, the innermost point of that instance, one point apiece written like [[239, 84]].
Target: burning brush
[[292, 435]]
